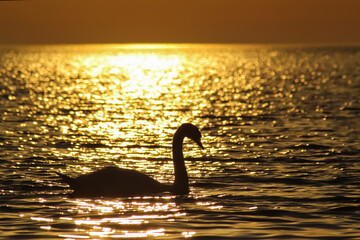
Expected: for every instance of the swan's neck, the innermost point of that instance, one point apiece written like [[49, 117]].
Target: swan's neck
[[181, 183]]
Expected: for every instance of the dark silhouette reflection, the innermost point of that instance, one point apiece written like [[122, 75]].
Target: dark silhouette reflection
[[114, 181]]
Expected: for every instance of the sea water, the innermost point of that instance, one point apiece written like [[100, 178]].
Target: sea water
[[280, 127]]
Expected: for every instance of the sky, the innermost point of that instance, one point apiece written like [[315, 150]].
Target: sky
[[179, 21]]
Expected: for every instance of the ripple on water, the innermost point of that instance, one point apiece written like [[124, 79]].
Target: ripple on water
[[279, 124]]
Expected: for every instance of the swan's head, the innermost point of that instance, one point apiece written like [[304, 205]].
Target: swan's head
[[191, 131]]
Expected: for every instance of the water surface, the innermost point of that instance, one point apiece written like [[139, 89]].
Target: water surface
[[280, 126]]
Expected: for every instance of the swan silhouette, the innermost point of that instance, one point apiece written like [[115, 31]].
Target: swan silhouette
[[114, 181]]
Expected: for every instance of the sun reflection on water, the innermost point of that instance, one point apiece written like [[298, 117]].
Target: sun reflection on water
[[132, 76], [129, 91], [128, 218], [114, 218]]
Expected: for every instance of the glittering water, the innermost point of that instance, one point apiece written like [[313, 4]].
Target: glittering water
[[280, 126]]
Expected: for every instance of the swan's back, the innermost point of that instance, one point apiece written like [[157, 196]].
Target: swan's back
[[114, 181]]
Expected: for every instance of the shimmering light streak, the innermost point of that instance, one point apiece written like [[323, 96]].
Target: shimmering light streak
[[41, 219], [188, 234]]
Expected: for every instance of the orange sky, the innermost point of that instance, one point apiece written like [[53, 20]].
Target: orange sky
[[177, 21]]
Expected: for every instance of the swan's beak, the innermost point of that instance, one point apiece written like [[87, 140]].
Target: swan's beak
[[199, 143]]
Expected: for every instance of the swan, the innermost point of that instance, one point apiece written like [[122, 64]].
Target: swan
[[114, 181]]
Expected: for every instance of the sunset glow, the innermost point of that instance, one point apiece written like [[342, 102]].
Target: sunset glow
[[189, 21]]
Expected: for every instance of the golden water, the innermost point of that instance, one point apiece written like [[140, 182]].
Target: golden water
[[280, 127]]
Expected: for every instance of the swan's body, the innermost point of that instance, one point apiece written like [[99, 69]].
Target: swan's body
[[114, 181]]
